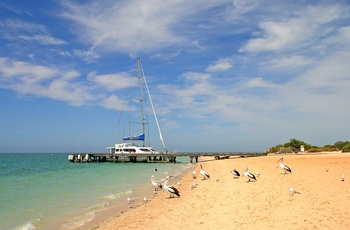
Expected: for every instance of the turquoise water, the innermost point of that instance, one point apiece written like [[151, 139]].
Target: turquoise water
[[46, 191]]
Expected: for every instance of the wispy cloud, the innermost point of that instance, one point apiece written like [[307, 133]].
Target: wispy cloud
[[134, 26], [303, 29], [26, 31]]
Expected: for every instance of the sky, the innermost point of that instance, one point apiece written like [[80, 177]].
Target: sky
[[238, 75]]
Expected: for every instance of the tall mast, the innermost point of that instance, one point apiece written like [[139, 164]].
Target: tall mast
[[150, 99], [141, 99]]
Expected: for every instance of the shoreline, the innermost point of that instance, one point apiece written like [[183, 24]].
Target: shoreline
[[120, 206], [228, 203]]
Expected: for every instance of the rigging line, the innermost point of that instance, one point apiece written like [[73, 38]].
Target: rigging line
[[154, 112], [118, 129], [120, 115]]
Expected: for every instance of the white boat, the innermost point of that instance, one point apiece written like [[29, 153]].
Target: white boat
[[128, 147]]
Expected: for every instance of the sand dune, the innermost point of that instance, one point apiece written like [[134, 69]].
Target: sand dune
[[223, 202]]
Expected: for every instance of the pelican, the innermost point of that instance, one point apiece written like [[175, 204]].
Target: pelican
[[156, 184], [170, 189], [204, 173], [248, 175], [194, 174], [293, 191], [235, 173], [284, 167]]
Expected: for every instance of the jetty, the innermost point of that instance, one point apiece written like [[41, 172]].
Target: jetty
[[153, 157]]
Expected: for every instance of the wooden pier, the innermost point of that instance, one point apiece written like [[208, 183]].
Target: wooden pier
[[152, 158]]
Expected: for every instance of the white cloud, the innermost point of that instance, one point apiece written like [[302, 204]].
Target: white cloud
[[32, 73], [28, 79], [113, 82], [287, 62], [258, 82], [114, 102], [220, 65], [167, 124], [301, 30]]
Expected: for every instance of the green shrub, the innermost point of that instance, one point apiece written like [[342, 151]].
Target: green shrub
[[346, 148]]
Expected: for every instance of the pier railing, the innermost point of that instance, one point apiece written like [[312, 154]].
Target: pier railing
[[155, 157]]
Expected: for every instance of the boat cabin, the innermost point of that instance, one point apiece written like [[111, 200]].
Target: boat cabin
[[131, 148]]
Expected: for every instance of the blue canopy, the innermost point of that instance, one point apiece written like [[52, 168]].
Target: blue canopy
[[140, 137]]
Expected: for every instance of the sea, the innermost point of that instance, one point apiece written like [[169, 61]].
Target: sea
[[46, 191]]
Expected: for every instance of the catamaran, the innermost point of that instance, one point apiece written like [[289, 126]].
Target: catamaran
[[127, 146]]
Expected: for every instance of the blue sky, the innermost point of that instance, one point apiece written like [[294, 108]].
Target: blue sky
[[237, 75]]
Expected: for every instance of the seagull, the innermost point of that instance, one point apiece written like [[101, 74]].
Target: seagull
[[293, 191], [194, 174], [342, 177], [130, 200], [192, 186], [248, 175], [170, 189], [235, 173], [204, 173], [284, 167], [156, 184]]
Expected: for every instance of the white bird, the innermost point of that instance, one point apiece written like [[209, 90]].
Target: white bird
[[170, 189], [130, 200], [194, 173], [204, 173], [192, 186], [235, 173], [284, 167], [342, 177], [249, 175], [145, 199], [293, 191], [157, 184]]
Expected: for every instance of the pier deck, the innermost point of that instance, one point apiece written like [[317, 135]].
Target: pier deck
[[152, 158]]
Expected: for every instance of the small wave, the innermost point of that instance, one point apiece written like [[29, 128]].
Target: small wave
[[118, 195], [27, 226], [80, 220], [31, 224]]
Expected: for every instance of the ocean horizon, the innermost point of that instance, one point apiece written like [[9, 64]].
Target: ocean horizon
[[46, 191]]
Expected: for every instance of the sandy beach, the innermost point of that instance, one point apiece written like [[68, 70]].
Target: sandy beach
[[225, 202]]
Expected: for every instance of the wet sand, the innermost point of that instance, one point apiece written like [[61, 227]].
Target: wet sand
[[223, 202]]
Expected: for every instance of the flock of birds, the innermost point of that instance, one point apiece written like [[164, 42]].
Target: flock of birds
[[174, 192]]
